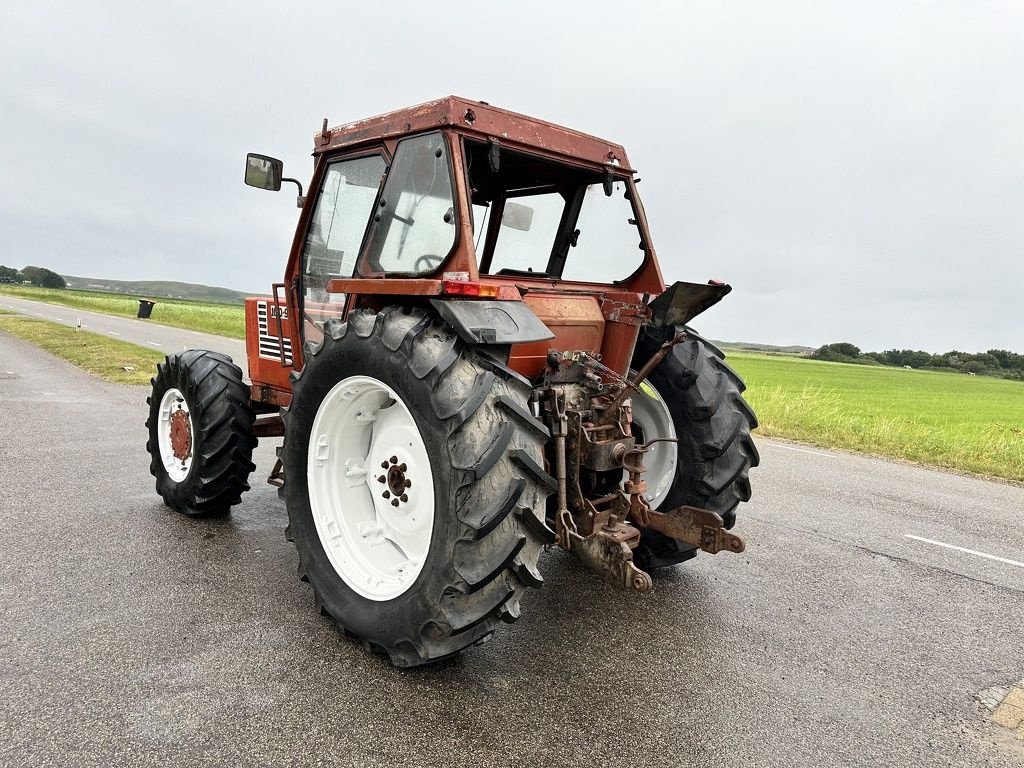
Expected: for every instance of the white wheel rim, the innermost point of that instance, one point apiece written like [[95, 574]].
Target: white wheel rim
[[651, 415], [175, 435], [362, 436]]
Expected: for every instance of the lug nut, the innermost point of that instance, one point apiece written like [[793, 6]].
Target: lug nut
[[394, 502], [402, 467], [408, 483], [405, 497], [394, 459], [381, 479], [386, 494], [383, 465]]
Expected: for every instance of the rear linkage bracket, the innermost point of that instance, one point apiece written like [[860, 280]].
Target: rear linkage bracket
[[613, 519], [701, 528], [609, 550]]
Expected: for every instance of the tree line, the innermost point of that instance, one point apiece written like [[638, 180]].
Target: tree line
[[996, 362], [40, 276]]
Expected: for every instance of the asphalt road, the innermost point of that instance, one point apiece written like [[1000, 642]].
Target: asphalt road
[[146, 333], [134, 636]]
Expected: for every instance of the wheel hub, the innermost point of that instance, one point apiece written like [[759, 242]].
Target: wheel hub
[[398, 484], [181, 435], [175, 434]]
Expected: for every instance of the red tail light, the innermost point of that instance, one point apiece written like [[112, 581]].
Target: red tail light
[[480, 290]]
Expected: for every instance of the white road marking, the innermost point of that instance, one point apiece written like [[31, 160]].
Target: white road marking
[[154, 344], [113, 333], [801, 450], [965, 549]]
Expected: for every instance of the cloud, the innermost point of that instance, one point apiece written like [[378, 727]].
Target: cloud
[[854, 169]]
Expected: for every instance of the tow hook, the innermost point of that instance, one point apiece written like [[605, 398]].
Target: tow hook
[[610, 551]]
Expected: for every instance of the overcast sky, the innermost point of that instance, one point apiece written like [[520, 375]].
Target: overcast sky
[[855, 170]]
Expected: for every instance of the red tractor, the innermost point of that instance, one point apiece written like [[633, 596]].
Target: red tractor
[[473, 356]]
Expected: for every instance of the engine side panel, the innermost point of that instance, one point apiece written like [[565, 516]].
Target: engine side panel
[[268, 346]]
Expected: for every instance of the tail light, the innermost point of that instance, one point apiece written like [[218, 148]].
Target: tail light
[[480, 290]]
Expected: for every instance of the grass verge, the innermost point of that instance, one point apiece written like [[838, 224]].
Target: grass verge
[[969, 423], [218, 319], [91, 352]]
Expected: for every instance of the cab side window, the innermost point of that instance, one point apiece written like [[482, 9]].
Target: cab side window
[[335, 233], [413, 229]]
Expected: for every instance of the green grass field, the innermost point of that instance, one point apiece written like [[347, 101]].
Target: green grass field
[[92, 352], [220, 319], [970, 423]]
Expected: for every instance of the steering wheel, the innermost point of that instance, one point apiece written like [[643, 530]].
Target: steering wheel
[[427, 262]]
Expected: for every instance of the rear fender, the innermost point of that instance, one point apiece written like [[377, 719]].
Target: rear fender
[[492, 322], [681, 302]]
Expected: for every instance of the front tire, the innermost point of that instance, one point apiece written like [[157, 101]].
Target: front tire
[[200, 433], [392, 402], [703, 397]]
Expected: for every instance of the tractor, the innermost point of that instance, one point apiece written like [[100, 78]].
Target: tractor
[[473, 356]]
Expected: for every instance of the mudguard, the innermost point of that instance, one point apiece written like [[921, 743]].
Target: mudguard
[[681, 302], [492, 322]]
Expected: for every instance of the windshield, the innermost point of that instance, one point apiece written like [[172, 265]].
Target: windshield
[[532, 216]]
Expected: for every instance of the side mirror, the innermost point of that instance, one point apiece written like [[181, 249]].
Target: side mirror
[[263, 172]]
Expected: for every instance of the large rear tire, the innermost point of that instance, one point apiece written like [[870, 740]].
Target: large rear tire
[[712, 423], [414, 485], [200, 433]]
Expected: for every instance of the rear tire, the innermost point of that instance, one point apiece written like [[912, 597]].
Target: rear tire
[[200, 433], [713, 424], [470, 448]]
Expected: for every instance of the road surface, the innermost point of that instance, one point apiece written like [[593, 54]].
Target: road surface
[[134, 636]]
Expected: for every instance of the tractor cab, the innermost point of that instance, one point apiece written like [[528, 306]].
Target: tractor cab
[[459, 200]]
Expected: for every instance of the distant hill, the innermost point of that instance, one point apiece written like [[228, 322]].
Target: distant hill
[[165, 289], [792, 349]]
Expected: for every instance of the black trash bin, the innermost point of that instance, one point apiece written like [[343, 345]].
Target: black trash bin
[[145, 308]]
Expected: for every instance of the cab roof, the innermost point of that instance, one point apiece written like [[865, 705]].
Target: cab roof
[[479, 119]]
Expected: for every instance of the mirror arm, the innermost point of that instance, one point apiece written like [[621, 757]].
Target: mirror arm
[[493, 155], [609, 183], [300, 200]]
